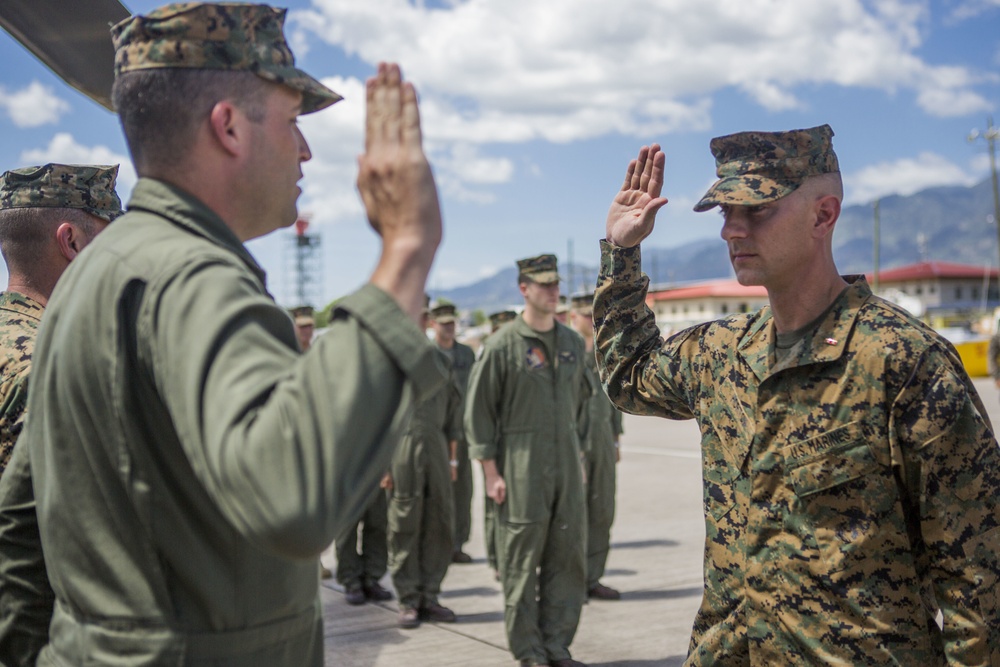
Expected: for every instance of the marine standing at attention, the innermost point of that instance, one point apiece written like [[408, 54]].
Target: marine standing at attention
[[603, 452], [525, 419], [851, 477], [444, 317], [189, 462]]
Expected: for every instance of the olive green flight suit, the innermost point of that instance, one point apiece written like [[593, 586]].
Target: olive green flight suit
[[420, 502], [362, 569], [603, 433], [189, 462], [526, 409], [462, 357]]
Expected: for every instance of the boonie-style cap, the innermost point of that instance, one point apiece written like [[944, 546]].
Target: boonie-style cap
[[223, 36], [90, 188], [583, 303], [760, 167], [542, 270], [444, 313]]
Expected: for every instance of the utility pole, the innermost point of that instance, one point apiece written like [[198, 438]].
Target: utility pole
[[990, 135]]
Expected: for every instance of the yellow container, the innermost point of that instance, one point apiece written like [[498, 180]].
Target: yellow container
[[974, 356]]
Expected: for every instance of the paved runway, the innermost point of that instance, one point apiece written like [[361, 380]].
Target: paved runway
[[655, 561]]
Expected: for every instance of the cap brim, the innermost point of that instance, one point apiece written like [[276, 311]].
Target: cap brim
[[746, 190], [544, 277], [445, 319], [315, 95]]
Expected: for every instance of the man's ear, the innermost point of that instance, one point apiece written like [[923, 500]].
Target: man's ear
[[827, 212], [70, 240], [227, 125], [524, 288]]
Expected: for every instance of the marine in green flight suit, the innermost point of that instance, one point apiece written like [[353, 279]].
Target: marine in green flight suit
[[420, 506], [48, 215], [443, 320], [603, 452], [497, 320], [525, 417], [189, 462]]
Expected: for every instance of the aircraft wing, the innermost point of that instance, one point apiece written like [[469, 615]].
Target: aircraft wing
[[72, 39]]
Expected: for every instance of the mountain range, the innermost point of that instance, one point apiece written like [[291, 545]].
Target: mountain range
[[953, 224]]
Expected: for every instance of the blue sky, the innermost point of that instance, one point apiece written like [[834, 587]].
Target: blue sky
[[532, 110]]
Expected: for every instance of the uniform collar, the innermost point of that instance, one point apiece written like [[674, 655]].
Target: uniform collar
[[827, 343], [188, 212], [21, 304]]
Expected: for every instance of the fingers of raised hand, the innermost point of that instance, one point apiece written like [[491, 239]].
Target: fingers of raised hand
[[411, 135]]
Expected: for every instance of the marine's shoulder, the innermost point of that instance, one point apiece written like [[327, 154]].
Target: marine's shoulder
[[881, 320]]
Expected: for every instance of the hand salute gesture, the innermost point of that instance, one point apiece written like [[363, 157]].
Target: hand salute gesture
[[633, 212]]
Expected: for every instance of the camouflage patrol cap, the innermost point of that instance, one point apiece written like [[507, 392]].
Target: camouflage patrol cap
[[444, 313], [583, 303], [90, 188], [501, 317], [223, 36], [760, 167], [542, 270], [303, 315]]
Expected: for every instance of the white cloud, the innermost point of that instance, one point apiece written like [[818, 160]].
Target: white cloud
[[967, 9], [65, 149], [34, 105], [907, 176], [563, 70]]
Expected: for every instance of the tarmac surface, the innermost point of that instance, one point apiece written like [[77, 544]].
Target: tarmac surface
[[655, 562]]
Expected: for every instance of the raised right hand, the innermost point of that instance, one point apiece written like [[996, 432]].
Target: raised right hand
[[398, 190], [633, 211]]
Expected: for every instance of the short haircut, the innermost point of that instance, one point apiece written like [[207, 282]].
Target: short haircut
[[24, 232], [160, 109]]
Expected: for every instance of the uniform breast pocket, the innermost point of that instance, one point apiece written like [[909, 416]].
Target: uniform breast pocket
[[841, 493]]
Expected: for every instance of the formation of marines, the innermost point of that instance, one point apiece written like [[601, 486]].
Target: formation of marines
[[187, 449]]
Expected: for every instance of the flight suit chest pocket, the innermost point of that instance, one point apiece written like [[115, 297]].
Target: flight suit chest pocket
[[828, 460]]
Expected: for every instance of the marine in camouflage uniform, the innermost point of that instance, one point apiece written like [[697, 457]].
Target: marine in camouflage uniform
[[851, 477], [420, 506], [525, 419], [190, 462], [443, 319], [603, 434], [48, 213]]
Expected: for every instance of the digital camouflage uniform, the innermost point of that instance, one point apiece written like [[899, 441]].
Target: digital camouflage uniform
[[526, 410], [605, 428], [190, 463], [26, 597], [19, 319], [851, 490], [420, 503]]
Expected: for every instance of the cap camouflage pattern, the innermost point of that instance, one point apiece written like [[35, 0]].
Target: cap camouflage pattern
[[583, 303], [224, 36], [90, 188], [444, 313], [501, 317], [303, 315], [759, 167], [542, 269]]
